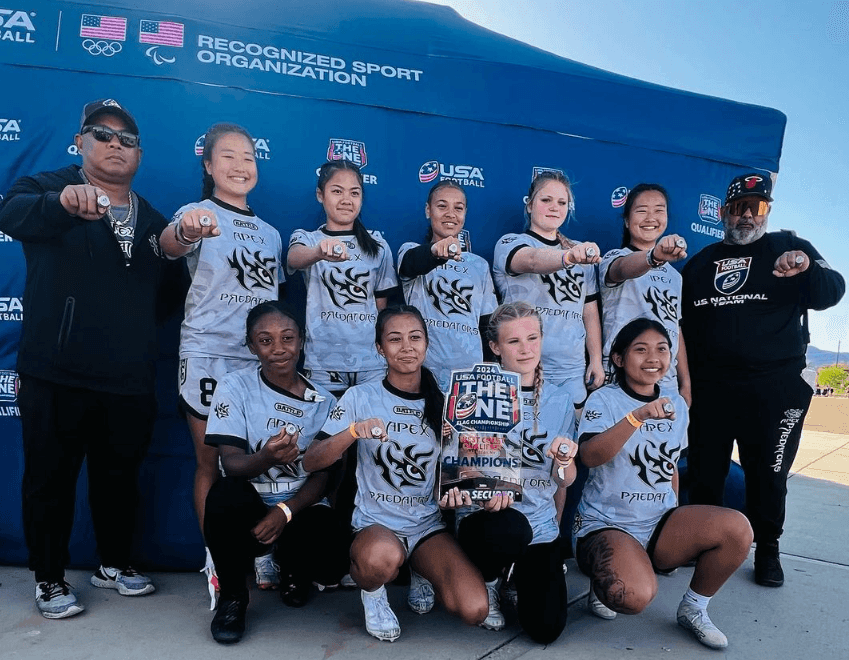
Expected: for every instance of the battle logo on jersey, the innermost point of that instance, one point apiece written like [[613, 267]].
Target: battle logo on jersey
[[350, 150], [482, 408], [731, 274]]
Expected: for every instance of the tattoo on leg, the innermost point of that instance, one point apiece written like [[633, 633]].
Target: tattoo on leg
[[597, 554]]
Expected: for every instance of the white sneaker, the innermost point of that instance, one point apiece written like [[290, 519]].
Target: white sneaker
[[495, 619], [598, 608], [420, 598], [347, 582], [55, 600], [126, 581], [698, 622], [381, 621], [267, 572]]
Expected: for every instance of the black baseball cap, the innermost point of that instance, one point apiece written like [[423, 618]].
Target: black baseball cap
[[107, 106], [750, 184]]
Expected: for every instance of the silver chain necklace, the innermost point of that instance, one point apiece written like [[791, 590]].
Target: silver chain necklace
[[111, 217]]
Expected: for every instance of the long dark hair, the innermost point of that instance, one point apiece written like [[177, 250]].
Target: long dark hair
[[439, 185], [210, 139], [631, 199], [626, 337], [264, 309], [433, 397], [367, 242]]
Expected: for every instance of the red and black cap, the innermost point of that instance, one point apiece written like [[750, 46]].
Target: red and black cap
[[750, 184]]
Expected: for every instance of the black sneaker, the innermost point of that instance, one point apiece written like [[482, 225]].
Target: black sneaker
[[228, 624], [294, 592], [768, 572]]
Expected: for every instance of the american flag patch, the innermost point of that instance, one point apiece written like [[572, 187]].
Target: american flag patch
[[161, 33], [103, 27]]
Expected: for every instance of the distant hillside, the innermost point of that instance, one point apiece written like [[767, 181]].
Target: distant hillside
[[819, 358]]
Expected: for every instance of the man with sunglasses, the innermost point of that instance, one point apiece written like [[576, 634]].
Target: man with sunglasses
[[745, 304], [87, 350]]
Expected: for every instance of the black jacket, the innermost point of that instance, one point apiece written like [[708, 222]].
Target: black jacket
[[89, 319], [739, 319]]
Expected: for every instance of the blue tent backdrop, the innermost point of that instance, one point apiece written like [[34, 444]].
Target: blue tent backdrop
[[404, 89]]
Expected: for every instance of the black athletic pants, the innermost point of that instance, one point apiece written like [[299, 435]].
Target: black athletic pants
[[315, 546], [493, 541], [62, 425], [765, 417]]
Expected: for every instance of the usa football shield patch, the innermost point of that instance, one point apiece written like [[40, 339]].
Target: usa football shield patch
[[731, 274]]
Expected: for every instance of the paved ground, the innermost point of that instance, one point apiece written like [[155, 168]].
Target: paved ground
[[805, 619]]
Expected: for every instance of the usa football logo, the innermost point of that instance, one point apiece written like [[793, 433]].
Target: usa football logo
[[199, 145], [429, 171], [731, 274], [618, 197]]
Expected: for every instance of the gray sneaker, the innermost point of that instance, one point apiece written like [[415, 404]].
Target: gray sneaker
[[420, 598], [598, 608], [55, 600], [128, 581], [495, 619], [698, 622]]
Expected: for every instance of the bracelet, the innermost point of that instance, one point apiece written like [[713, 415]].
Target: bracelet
[[178, 234], [567, 261], [286, 511], [633, 421], [352, 429], [651, 261]]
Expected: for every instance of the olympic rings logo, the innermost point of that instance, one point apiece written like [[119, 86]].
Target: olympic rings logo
[[101, 47]]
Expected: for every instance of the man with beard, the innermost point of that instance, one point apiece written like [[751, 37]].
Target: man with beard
[[95, 272], [745, 304]]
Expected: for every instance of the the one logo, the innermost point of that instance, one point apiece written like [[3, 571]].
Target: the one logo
[[618, 197], [466, 175], [450, 297], [346, 287], [663, 304], [11, 309], [350, 150], [10, 130], [244, 224], [655, 465], [252, 269], [565, 285], [429, 171], [9, 384], [731, 274], [401, 467], [542, 170], [103, 34], [709, 209], [17, 26], [531, 447], [222, 410]]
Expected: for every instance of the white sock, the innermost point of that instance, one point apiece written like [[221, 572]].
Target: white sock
[[493, 584], [697, 600], [377, 592]]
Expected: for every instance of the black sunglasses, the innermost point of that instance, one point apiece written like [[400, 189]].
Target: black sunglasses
[[758, 206], [105, 134]]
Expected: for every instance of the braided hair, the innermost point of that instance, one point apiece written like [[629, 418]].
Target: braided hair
[[511, 312]]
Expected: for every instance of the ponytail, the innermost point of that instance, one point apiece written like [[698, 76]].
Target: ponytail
[[434, 401], [367, 242]]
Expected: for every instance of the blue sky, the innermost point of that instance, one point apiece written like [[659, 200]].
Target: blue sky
[[791, 56]]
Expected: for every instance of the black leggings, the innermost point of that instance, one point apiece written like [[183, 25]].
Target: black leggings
[[495, 540], [313, 547]]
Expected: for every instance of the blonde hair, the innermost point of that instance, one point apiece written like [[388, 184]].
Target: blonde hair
[[539, 181], [511, 312]]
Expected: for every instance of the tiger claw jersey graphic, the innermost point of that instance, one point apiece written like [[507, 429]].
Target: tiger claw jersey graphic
[[564, 285], [450, 297], [664, 304], [531, 447], [655, 465], [401, 467], [253, 271], [347, 286]]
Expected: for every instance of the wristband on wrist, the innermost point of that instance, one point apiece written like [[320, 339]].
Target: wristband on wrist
[[567, 260], [181, 239], [286, 511], [352, 429], [651, 261], [633, 421]]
